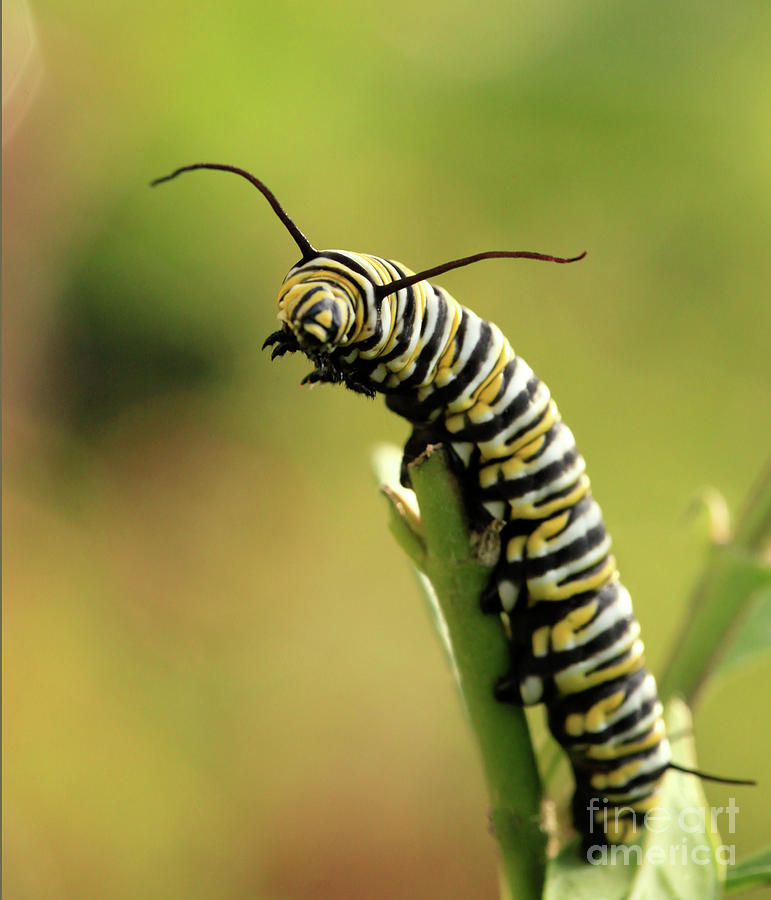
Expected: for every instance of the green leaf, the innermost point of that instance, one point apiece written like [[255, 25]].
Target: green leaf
[[440, 626], [751, 872], [570, 877], [454, 564], [404, 521], [683, 853], [751, 637]]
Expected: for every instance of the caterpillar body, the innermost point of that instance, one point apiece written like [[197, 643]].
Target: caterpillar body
[[377, 327], [454, 376]]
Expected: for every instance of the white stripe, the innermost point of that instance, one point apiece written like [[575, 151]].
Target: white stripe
[[614, 612], [627, 642], [590, 516], [556, 576]]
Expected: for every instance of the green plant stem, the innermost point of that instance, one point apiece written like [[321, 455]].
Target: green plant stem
[[480, 655]]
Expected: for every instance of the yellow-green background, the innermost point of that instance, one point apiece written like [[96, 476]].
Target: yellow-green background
[[219, 677]]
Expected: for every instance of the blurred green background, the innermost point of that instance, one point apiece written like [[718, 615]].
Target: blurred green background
[[219, 677]]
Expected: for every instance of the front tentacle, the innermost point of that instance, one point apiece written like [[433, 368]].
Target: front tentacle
[[274, 338], [282, 342]]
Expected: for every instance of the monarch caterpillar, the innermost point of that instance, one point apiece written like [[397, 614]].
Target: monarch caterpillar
[[377, 327]]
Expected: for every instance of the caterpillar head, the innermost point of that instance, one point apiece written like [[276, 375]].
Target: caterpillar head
[[317, 311]]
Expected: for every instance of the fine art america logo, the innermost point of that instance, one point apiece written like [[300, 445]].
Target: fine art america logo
[[689, 823]]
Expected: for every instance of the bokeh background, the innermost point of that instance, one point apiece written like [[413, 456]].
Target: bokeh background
[[219, 678]]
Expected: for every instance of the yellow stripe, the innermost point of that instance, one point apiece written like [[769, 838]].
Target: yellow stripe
[[539, 539], [574, 724], [564, 632], [480, 412], [576, 683], [619, 776], [513, 467], [597, 716], [515, 549], [595, 719], [530, 450], [550, 591], [380, 268], [444, 360], [541, 511], [421, 302], [496, 451], [611, 751], [489, 388], [541, 641], [314, 277]]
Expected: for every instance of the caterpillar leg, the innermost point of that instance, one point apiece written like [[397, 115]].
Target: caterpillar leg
[[525, 684], [328, 372], [416, 444], [507, 595], [507, 590]]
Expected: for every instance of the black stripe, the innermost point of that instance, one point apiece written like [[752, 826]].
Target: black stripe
[[348, 261], [557, 495], [583, 574], [404, 328], [430, 346], [548, 438], [486, 431], [507, 489], [312, 290], [480, 356], [557, 662], [612, 662], [550, 612], [531, 426], [536, 567], [441, 397], [598, 738], [509, 370], [607, 766], [627, 786], [583, 701]]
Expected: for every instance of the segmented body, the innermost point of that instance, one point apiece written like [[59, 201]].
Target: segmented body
[[454, 376]]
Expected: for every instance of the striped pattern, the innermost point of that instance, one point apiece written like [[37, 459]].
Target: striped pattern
[[575, 642]]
